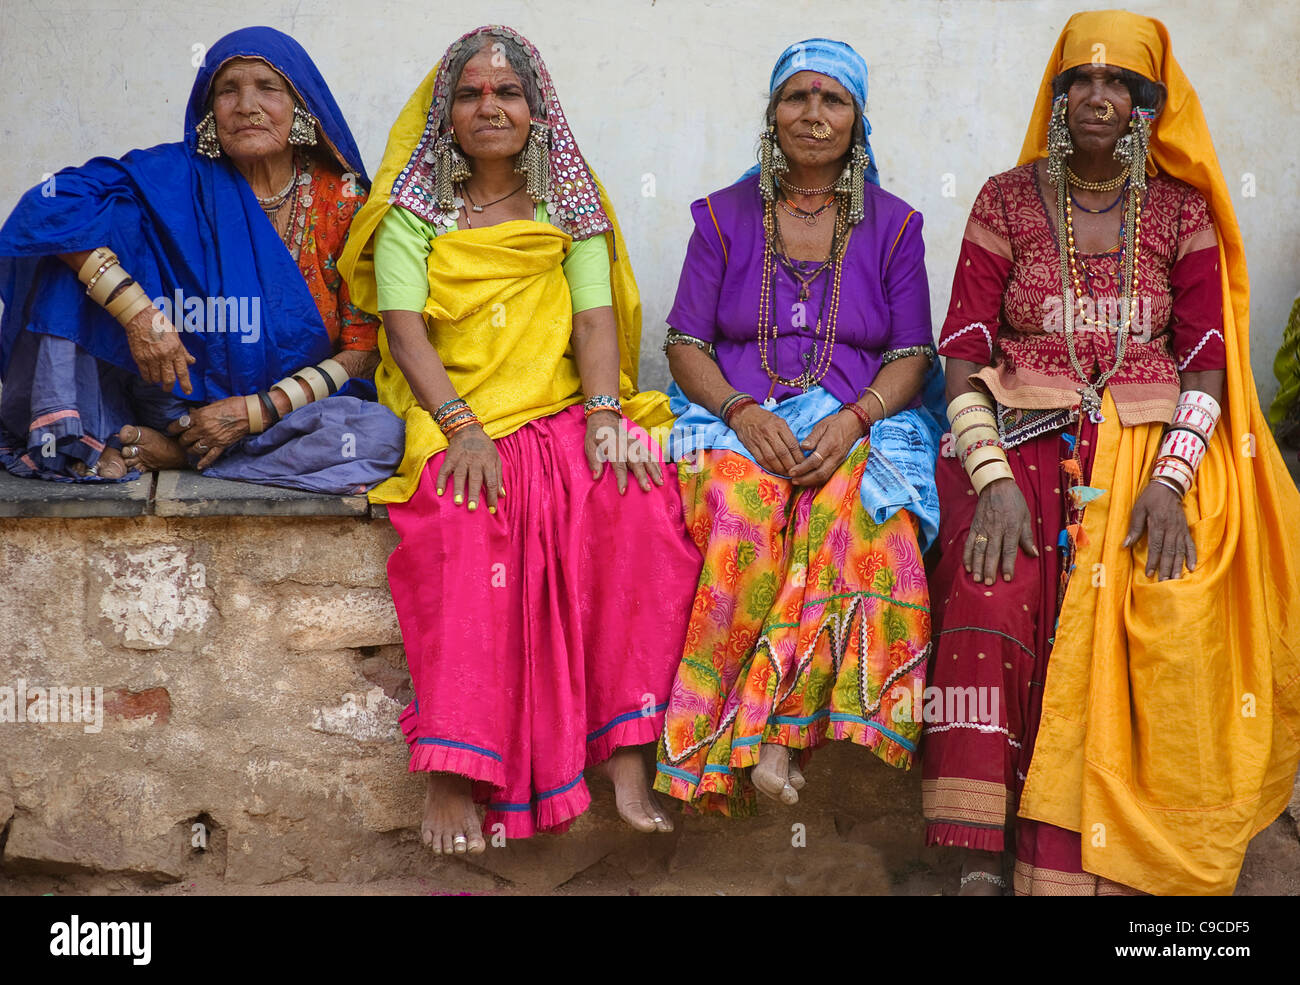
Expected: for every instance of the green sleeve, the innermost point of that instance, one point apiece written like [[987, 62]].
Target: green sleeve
[[402, 260], [586, 268]]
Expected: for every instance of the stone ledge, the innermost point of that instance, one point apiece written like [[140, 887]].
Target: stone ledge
[[38, 497], [170, 493], [191, 494]]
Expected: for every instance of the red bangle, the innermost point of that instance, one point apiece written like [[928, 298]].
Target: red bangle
[[863, 417], [731, 411]]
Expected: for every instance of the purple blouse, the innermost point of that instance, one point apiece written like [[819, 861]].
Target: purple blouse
[[884, 294]]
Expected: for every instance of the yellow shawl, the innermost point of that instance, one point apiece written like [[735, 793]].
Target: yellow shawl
[[498, 313], [1171, 717]]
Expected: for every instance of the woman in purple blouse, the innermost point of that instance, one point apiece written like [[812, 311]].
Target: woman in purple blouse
[[801, 326]]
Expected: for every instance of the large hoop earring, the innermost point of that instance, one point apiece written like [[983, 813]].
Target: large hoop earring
[[772, 164], [207, 143], [1060, 144]]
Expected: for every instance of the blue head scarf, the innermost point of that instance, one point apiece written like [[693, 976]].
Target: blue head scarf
[[291, 60], [838, 61], [178, 222]]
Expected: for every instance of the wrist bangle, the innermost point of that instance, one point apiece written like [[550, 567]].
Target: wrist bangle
[[292, 389], [863, 417], [100, 257], [130, 303], [270, 413], [602, 402], [334, 370], [254, 408], [1170, 484], [994, 468], [884, 410], [735, 405]]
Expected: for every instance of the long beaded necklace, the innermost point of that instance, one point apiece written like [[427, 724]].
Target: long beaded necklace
[[768, 332], [1131, 248]]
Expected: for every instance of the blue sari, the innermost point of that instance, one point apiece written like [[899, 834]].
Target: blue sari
[[179, 222]]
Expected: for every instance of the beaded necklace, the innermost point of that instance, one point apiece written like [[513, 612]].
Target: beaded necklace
[[768, 332], [1130, 250]]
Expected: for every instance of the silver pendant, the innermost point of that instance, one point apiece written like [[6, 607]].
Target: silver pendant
[[1090, 404], [478, 208]]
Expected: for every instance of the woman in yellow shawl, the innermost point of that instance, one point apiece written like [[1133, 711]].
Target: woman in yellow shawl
[[542, 631], [1119, 476]]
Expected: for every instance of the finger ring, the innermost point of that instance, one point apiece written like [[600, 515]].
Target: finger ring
[[138, 433], [201, 446], [981, 539], [131, 450], [183, 420], [817, 453]]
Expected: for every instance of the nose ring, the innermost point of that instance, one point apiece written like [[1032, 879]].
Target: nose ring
[[821, 130], [1109, 114], [500, 121], [257, 118]]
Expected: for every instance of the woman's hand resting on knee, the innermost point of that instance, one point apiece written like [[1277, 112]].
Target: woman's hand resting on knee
[[1001, 526]]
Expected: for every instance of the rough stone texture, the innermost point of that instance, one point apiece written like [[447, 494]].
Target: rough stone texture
[[252, 675]]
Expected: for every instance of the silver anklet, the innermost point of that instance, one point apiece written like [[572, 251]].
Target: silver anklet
[[978, 876]]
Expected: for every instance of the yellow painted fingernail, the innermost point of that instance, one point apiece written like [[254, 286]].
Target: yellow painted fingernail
[[492, 509], [473, 506], [441, 491], [459, 499]]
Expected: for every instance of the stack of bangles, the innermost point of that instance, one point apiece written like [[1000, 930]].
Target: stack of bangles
[[1185, 442], [863, 417], [453, 416], [325, 378], [979, 450], [596, 404], [732, 404], [108, 285]]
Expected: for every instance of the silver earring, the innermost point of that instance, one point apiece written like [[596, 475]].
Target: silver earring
[[771, 164], [1059, 143], [534, 161], [303, 131], [451, 169], [1132, 148], [208, 145]]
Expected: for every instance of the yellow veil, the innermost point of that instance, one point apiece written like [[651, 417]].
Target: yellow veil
[[1171, 717], [649, 409]]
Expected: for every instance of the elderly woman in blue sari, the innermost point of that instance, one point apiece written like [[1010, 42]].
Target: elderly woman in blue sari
[[800, 344], [181, 305]]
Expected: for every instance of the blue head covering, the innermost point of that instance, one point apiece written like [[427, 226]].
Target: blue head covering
[[179, 223], [838, 61], [291, 60]]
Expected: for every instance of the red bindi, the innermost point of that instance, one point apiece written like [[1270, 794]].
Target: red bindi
[[817, 85]]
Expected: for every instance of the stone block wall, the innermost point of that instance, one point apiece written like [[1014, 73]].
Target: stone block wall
[[252, 675]]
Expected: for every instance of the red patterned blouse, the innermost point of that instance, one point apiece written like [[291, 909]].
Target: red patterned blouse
[[334, 200], [1006, 307]]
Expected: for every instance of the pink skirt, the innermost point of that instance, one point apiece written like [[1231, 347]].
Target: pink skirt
[[545, 637]]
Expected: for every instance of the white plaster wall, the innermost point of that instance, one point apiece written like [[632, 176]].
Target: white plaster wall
[[675, 89]]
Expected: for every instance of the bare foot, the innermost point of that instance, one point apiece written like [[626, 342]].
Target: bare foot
[[772, 774], [111, 465], [145, 449], [636, 802], [450, 825], [796, 778], [981, 874]]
